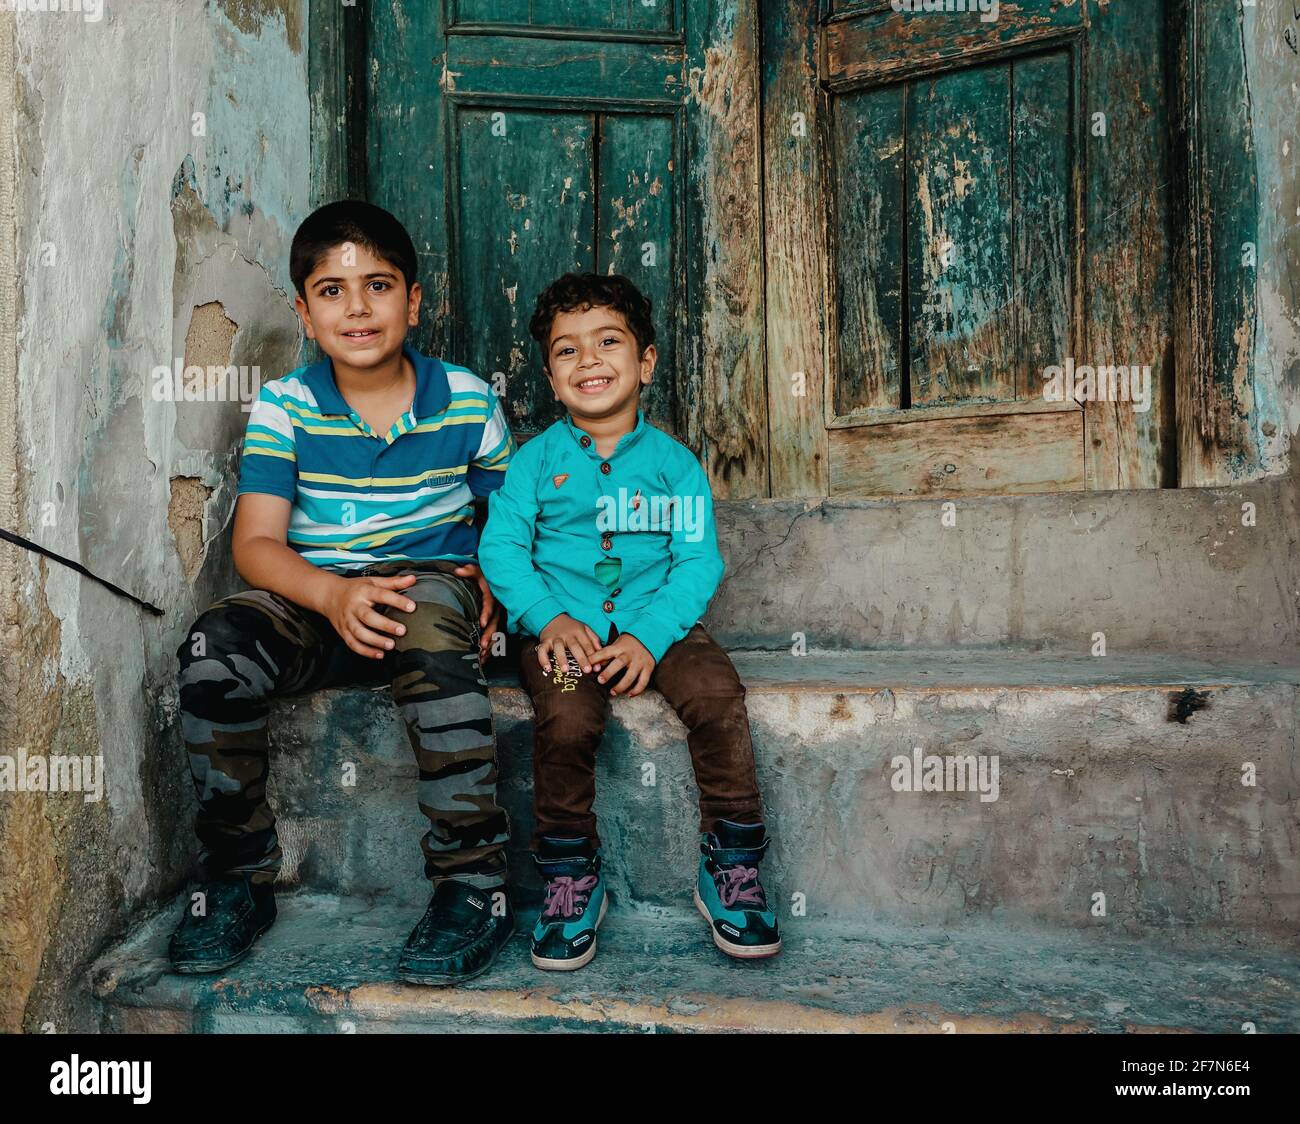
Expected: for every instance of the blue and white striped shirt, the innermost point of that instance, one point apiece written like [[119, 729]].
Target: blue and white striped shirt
[[360, 497]]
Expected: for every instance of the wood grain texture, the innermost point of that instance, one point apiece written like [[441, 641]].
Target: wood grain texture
[[636, 236], [406, 149], [1216, 302], [796, 250], [725, 401], [328, 63], [882, 44], [868, 248], [959, 237], [526, 200], [1044, 248], [611, 15], [1006, 454], [568, 71], [1126, 298]]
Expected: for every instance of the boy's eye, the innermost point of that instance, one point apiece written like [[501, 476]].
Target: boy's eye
[[329, 291], [610, 339], [565, 351], [379, 286]]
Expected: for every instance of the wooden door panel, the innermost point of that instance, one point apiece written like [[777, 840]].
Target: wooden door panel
[[1042, 224], [878, 44], [524, 183], [1039, 450], [526, 67], [867, 237], [984, 181], [636, 234], [956, 190], [604, 15], [959, 217]]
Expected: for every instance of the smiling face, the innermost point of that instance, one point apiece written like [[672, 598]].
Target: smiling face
[[357, 307], [593, 365]]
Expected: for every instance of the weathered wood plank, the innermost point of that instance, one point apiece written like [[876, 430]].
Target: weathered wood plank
[[882, 44], [525, 214], [605, 15], [406, 148], [1043, 190], [328, 66], [1216, 289], [725, 400], [570, 71], [492, 11], [1006, 454], [795, 229], [922, 414], [868, 249], [1126, 295], [638, 197], [959, 237]]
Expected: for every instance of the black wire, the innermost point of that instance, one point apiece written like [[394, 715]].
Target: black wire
[[18, 540]]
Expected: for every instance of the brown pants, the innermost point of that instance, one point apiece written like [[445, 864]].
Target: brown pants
[[697, 680]]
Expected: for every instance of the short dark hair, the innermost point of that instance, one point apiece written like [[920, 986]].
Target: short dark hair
[[350, 220], [577, 292]]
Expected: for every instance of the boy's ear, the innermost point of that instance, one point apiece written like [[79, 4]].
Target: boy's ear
[[304, 314], [648, 359], [414, 296]]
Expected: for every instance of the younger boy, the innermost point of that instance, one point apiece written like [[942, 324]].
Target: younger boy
[[601, 544], [355, 528]]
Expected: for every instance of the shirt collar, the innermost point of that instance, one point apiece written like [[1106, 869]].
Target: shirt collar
[[432, 388], [624, 443]]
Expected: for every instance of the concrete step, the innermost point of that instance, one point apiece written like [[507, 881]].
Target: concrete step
[[1119, 776], [328, 965], [1171, 568]]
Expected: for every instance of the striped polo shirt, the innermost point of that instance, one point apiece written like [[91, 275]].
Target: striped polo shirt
[[361, 497]]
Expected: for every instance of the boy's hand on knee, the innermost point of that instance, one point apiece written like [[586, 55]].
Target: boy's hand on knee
[[629, 655], [489, 620], [351, 610], [564, 635]]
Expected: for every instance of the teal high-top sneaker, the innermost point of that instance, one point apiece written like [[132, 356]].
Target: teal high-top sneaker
[[729, 894], [564, 937]]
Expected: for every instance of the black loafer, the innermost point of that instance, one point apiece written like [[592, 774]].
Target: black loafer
[[458, 937], [237, 912]]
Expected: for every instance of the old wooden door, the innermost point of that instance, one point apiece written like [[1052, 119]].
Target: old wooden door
[[524, 138], [958, 202]]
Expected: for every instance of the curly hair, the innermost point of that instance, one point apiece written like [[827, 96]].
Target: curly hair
[[577, 292]]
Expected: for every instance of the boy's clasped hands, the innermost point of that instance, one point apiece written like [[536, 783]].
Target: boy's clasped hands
[[625, 656]]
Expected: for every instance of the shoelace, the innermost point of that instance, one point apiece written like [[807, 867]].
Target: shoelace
[[738, 884], [563, 894]]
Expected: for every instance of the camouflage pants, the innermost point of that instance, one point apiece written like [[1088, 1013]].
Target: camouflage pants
[[245, 649]]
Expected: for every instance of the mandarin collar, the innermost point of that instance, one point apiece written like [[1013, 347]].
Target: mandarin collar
[[624, 443], [432, 389]]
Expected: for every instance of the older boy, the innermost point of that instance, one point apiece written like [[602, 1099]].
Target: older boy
[[355, 526]]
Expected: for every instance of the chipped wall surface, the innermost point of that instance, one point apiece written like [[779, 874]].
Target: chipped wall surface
[[148, 237]]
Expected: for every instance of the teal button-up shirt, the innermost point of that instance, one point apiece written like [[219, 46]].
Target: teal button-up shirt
[[627, 540]]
